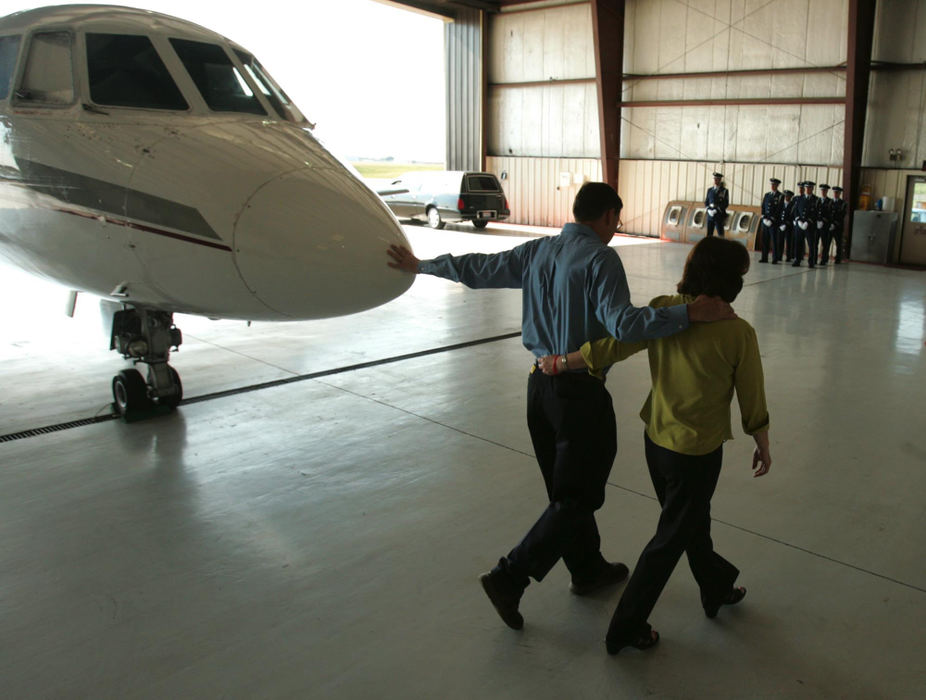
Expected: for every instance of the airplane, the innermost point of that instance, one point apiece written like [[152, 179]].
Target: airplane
[[156, 164]]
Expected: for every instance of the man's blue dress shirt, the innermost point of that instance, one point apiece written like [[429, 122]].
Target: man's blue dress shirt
[[574, 290]]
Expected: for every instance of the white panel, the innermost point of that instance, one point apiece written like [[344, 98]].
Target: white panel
[[827, 32], [783, 138], [900, 31]]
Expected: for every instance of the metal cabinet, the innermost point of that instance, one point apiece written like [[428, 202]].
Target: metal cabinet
[[873, 234]]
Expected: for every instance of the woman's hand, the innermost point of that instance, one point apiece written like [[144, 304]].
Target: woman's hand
[[761, 458]]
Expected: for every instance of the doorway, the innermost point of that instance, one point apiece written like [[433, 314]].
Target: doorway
[[913, 236]]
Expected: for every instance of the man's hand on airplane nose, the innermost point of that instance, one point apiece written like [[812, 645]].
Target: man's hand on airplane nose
[[402, 259]]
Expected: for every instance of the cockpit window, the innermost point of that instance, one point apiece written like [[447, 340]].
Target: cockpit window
[[126, 71], [49, 74], [221, 85], [269, 87], [9, 48]]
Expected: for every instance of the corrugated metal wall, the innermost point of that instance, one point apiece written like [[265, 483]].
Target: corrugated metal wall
[[897, 100], [557, 120], [540, 190], [646, 186], [664, 37], [463, 66]]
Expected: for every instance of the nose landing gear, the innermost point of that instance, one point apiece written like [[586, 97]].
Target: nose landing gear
[[145, 336]]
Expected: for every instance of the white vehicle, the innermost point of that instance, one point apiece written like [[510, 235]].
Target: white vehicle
[[152, 162]]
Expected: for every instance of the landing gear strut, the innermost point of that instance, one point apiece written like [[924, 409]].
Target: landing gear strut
[[145, 336]]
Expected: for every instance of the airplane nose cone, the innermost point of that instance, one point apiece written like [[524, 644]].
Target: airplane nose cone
[[312, 244]]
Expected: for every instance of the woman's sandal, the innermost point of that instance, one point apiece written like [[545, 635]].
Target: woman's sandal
[[732, 598], [648, 639]]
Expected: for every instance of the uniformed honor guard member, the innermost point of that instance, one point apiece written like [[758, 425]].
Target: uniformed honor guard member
[[772, 205], [805, 226], [833, 232], [823, 220], [716, 201], [785, 231]]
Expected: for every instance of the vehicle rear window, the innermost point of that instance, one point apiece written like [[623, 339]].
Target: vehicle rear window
[[221, 85], [481, 183], [9, 48], [126, 71]]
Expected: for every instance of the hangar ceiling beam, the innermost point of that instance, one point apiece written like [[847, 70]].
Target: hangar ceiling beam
[[608, 24], [858, 62]]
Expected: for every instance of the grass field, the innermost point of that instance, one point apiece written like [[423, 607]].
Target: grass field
[[380, 169]]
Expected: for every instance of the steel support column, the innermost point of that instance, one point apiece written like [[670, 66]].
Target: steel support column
[[858, 70], [608, 23]]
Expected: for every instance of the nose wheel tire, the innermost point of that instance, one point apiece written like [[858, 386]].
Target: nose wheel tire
[[480, 223], [130, 393], [434, 220]]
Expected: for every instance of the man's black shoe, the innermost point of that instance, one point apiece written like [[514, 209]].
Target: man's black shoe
[[505, 602], [608, 575]]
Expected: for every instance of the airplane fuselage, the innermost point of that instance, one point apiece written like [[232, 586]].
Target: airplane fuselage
[[218, 213]]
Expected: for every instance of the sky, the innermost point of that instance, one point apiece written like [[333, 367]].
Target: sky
[[370, 76]]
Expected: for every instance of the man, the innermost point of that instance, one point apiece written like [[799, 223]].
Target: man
[[805, 226], [786, 226], [823, 220], [772, 205], [716, 201], [837, 220], [574, 289]]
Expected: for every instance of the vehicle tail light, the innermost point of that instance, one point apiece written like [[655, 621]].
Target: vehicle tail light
[[460, 205], [506, 202]]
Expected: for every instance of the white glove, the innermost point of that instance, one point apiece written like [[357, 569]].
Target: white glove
[[819, 224], [782, 227], [804, 225], [767, 222], [832, 227]]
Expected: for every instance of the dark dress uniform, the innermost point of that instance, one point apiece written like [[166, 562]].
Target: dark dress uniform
[[786, 225], [824, 218], [805, 227], [838, 209], [716, 201], [772, 206]]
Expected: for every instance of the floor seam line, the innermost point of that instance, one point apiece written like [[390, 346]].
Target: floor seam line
[[769, 538]]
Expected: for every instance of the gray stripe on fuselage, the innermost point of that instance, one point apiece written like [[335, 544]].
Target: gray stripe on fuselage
[[100, 195]]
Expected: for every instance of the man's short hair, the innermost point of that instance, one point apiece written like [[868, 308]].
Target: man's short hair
[[594, 199]]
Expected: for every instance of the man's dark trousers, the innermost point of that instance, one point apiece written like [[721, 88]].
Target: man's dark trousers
[[684, 485], [573, 430]]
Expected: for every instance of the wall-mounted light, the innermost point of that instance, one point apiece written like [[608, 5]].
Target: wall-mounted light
[[896, 154]]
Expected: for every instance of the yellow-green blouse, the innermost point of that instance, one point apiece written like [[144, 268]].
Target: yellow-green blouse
[[694, 374]]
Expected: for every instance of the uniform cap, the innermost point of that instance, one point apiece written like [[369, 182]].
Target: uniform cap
[[837, 188], [775, 180], [789, 193], [720, 175], [824, 187], [808, 183]]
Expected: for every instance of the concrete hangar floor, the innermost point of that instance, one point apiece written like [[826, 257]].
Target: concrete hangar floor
[[322, 538]]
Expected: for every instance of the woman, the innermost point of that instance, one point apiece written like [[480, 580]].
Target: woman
[[687, 417]]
